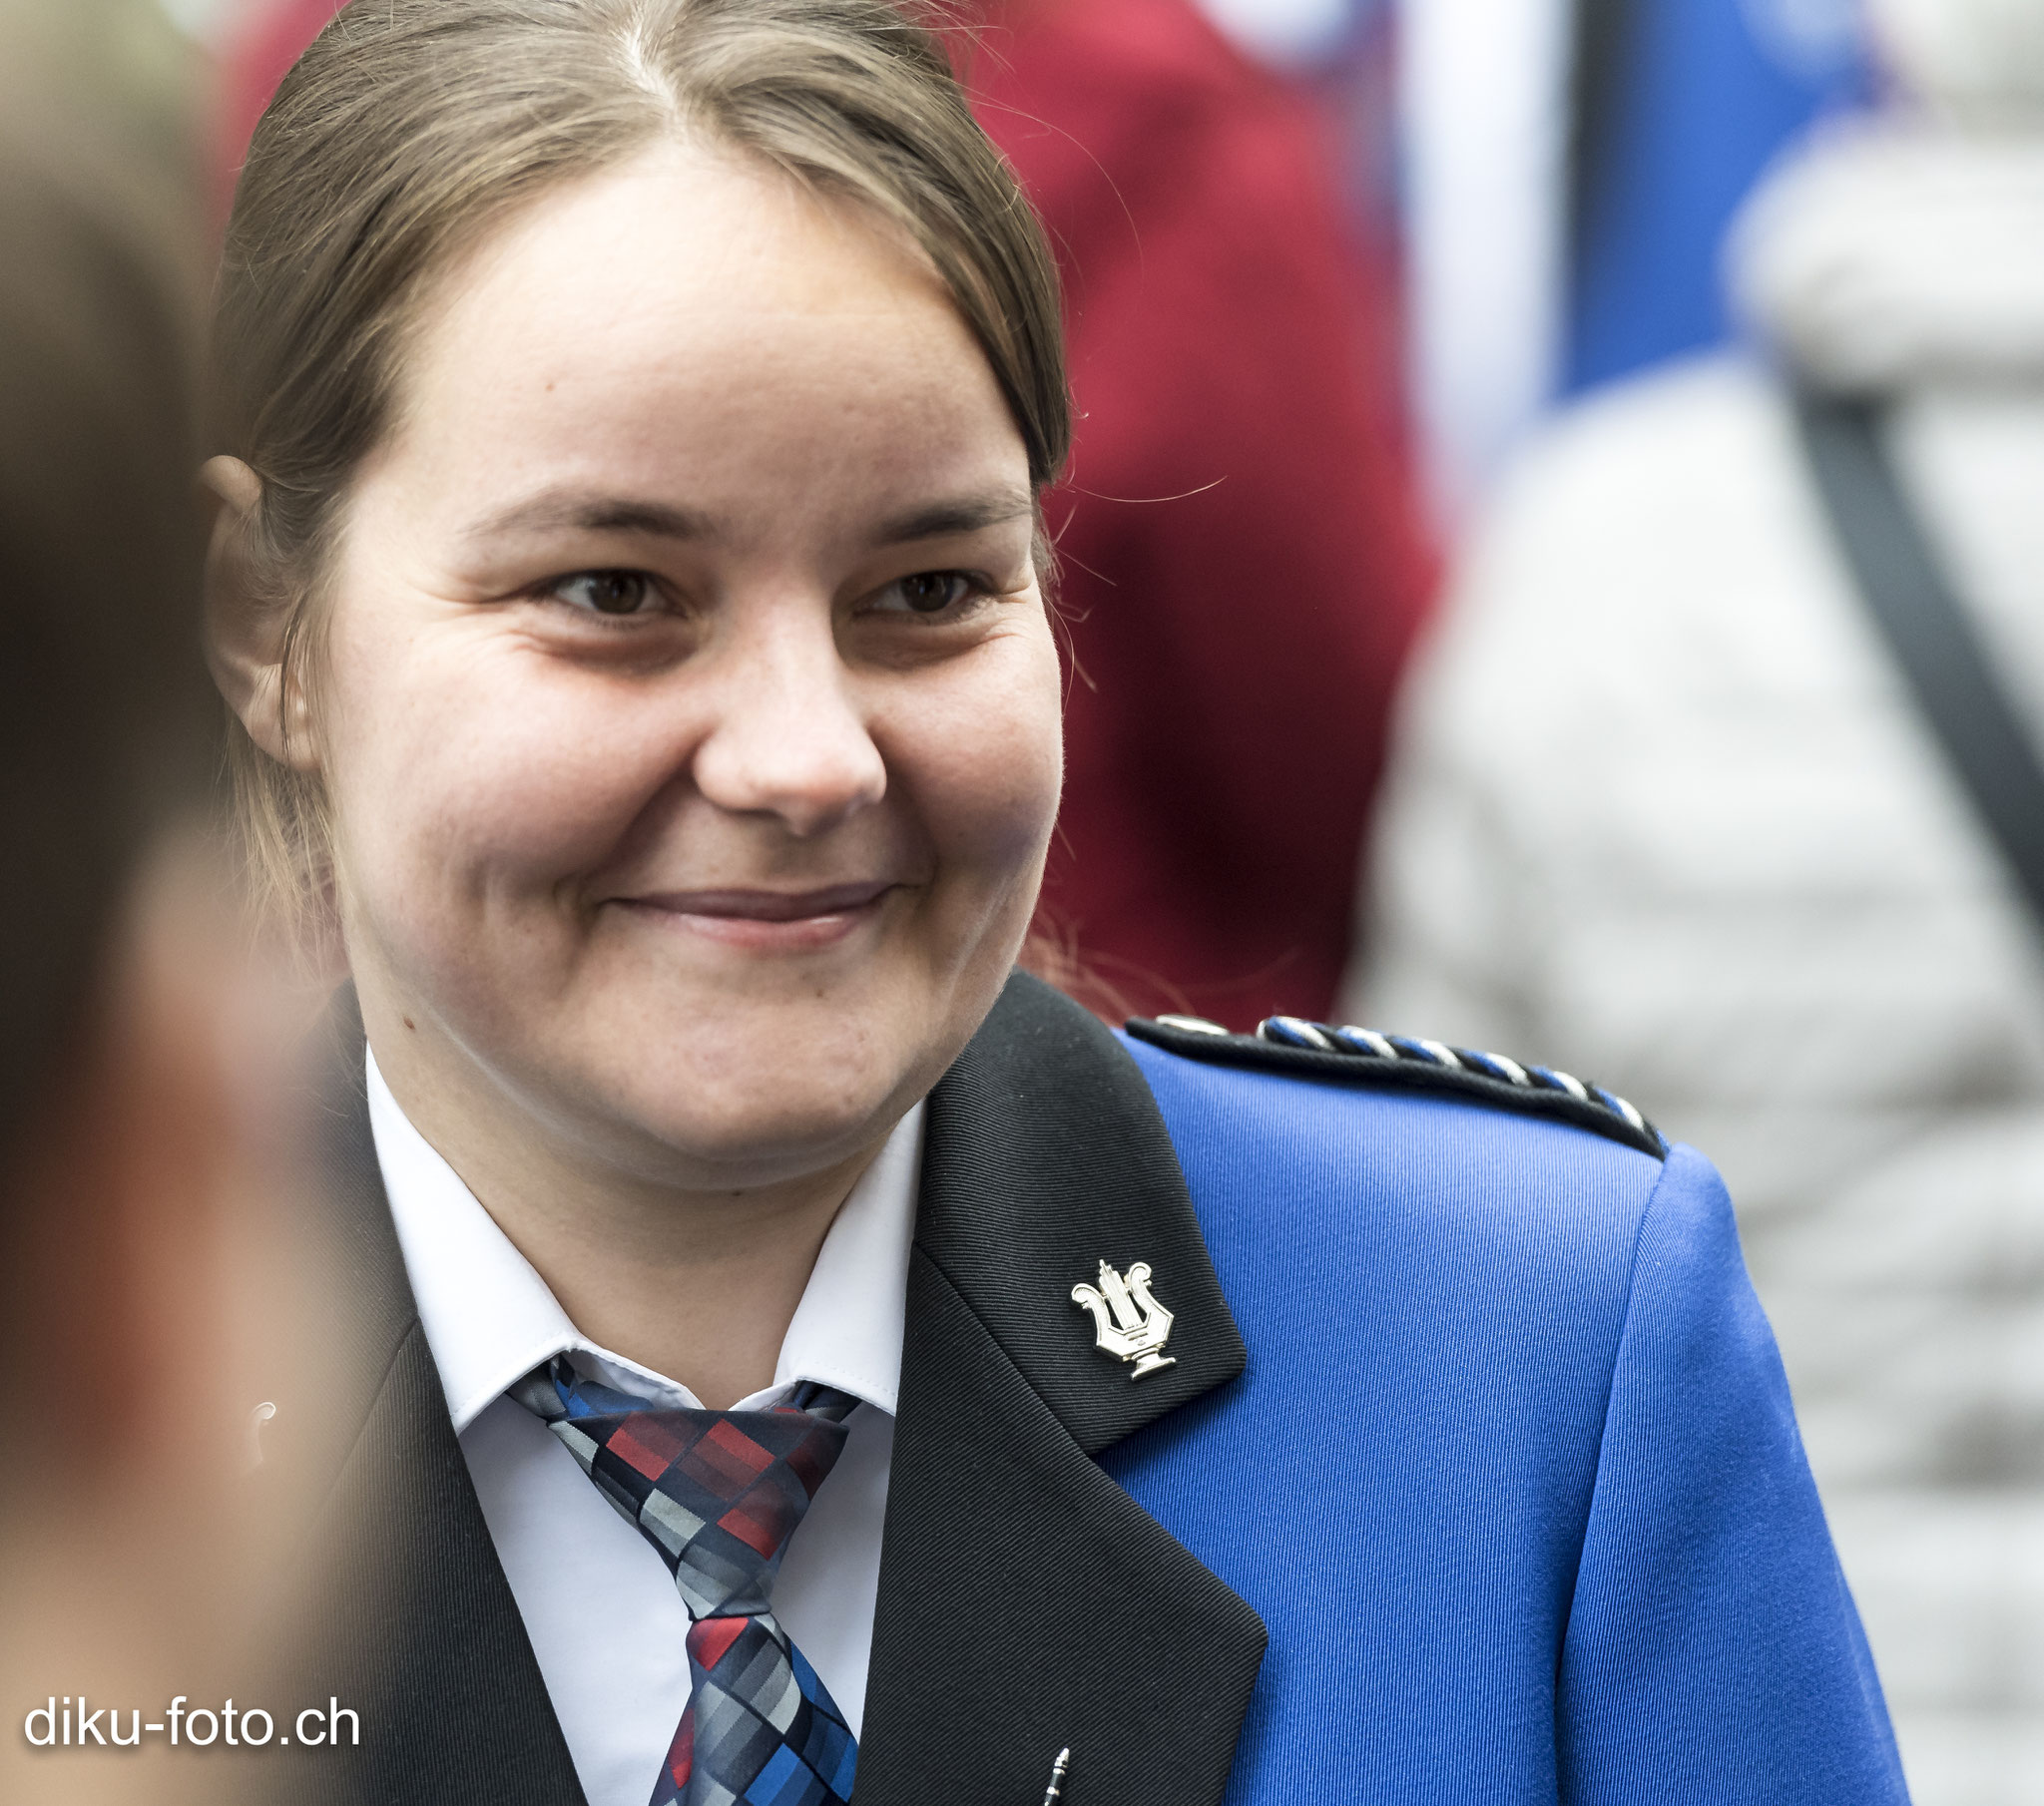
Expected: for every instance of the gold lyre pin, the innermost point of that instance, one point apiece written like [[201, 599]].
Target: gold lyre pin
[[1057, 1778]]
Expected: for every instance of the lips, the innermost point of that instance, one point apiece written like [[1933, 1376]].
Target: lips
[[767, 905], [766, 921]]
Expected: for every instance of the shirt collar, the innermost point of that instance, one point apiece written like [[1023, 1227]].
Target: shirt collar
[[490, 1319]]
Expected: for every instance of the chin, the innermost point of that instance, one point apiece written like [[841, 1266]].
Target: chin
[[751, 1070], [759, 1123], [757, 1090]]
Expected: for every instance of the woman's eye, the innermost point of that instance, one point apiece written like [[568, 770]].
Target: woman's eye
[[932, 592], [607, 592]]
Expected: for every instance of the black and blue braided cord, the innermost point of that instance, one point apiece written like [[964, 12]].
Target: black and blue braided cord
[[1289, 1043]]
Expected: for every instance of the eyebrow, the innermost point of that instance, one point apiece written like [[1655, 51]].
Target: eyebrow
[[966, 514], [596, 514], [661, 519]]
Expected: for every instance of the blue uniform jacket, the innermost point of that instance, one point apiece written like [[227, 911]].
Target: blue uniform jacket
[[1512, 1474]]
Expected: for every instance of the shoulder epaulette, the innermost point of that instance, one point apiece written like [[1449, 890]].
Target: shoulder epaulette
[[1286, 1044]]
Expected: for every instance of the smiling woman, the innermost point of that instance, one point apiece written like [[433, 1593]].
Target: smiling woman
[[627, 582], [684, 621]]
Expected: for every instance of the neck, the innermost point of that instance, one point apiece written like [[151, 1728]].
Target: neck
[[697, 1283]]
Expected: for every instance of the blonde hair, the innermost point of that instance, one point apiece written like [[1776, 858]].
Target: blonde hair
[[412, 127]]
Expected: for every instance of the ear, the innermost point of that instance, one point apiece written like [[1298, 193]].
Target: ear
[[245, 629]]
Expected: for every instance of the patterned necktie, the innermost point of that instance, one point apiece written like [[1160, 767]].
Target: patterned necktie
[[719, 1494]]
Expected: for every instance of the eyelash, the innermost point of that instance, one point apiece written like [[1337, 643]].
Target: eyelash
[[649, 590], [977, 590]]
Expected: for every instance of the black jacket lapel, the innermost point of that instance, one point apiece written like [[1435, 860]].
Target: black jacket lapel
[[1026, 1602], [416, 1627]]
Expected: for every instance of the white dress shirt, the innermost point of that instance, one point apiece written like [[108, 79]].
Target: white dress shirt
[[599, 1607]]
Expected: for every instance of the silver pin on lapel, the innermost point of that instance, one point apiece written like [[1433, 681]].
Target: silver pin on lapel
[[1057, 1777], [1128, 1322]]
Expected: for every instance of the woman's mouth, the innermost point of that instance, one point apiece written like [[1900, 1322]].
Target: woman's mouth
[[768, 921]]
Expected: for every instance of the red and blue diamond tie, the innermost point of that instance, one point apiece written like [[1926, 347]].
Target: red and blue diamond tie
[[719, 1494]]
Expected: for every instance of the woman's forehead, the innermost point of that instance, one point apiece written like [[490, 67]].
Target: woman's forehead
[[691, 316], [679, 248]]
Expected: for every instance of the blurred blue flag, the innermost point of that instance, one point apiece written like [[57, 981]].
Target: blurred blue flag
[[1680, 105]]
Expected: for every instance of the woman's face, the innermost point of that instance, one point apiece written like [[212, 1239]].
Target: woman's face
[[689, 707]]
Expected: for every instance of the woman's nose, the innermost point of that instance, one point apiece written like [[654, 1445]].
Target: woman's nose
[[788, 739]]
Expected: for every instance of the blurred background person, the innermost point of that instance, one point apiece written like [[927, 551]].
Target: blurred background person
[[1569, 167], [136, 1284], [1665, 811]]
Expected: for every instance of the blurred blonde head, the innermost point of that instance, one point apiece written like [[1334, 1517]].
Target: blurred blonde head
[[133, 1273]]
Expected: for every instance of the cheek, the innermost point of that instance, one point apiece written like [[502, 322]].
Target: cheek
[[462, 764], [984, 761]]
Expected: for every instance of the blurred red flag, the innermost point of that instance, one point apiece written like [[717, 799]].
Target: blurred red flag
[[1243, 562]]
